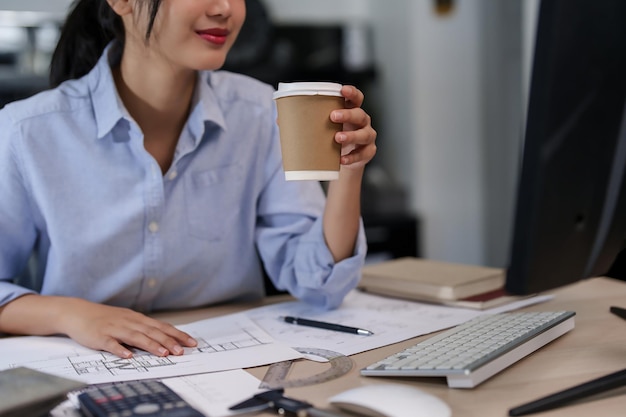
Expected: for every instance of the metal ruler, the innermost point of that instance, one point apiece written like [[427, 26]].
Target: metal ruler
[[276, 375]]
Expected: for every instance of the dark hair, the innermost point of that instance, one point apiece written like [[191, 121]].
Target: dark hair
[[90, 26]]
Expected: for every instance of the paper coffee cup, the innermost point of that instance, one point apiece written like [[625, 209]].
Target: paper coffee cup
[[307, 135]]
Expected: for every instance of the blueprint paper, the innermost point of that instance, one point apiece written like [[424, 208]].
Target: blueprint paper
[[224, 343]]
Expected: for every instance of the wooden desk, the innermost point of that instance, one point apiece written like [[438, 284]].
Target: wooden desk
[[596, 347]]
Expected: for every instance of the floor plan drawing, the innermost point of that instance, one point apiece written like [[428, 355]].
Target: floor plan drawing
[[115, 366], [229, 342], [145, 362]]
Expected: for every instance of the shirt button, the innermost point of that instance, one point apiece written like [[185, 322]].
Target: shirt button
[[153, 227], [173, 175]]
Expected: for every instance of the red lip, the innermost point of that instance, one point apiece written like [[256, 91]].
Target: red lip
[[215, 36]]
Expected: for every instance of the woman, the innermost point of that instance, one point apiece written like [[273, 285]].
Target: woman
[[147, 181]]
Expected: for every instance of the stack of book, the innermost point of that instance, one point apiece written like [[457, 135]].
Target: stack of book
[[453, 284]]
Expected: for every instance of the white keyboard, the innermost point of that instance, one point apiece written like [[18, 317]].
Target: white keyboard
[[474, 351]]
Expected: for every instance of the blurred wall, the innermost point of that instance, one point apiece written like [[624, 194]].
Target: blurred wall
[[35, 5], [451, 91]]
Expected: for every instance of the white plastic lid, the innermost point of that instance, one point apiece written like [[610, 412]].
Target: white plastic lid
[[311, 175], [308, 89]]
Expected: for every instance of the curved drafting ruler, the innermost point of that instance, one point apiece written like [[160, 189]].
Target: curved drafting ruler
[[276, 375]]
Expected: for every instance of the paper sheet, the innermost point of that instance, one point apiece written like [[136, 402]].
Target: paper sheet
[[228, 342], [392, 320], [212, 394]]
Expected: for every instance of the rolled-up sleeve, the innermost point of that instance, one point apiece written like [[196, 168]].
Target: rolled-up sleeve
[[291, 241]]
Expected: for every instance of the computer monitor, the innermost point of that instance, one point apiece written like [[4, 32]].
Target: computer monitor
[[570, 219]]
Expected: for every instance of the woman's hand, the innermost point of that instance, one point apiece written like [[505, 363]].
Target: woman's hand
[[358, 147], [113, 329], [358, 138]]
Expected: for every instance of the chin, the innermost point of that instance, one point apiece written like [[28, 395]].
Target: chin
[[210, 65]]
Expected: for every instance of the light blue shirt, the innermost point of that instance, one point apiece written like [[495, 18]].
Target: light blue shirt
[[79, 188]]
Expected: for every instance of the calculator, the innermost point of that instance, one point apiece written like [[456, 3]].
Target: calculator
[[146, 398]]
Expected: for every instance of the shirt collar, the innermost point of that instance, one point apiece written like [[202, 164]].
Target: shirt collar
[[206, 108], [109, 108], [107, 105]]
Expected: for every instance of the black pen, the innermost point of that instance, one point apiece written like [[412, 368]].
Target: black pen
[[618, 311], [327, 326], [586, 389]]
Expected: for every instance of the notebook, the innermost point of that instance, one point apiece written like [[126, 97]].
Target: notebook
[[427, 280]]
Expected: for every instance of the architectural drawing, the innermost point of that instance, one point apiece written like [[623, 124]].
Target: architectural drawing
[[224, 343], [144, 362]]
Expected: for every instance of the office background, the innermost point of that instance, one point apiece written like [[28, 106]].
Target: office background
[[444, 82]]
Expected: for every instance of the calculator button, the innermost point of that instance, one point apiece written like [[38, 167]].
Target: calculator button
[[135, 399], [146, 408]]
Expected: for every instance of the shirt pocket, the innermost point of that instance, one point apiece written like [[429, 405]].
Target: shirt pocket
[[212, 200]]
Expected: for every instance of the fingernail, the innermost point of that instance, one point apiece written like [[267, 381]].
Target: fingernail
[[341, 137], [191, 341], [337, 116], [178, 350], [127, 354], [162, 351]]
